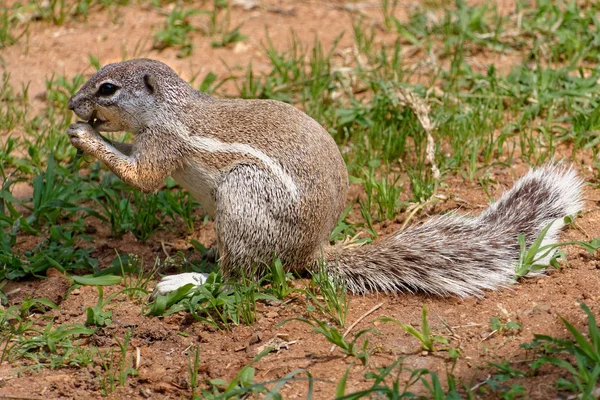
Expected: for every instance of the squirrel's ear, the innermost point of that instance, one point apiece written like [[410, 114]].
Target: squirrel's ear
[[149, 82]]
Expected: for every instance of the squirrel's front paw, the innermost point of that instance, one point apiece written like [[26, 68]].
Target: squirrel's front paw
[[83, 136], [81, 130]]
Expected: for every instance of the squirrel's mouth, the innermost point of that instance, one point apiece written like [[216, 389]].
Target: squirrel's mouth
[[94, 121]]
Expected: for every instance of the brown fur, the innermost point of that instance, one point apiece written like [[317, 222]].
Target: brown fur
[[275, 182]]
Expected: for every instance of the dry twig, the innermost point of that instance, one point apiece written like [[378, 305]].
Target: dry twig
[[365, 315]]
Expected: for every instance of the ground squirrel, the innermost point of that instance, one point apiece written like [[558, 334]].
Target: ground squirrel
[[275, 183]]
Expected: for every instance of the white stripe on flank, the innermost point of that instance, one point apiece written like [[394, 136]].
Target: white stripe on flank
[[216, 146]]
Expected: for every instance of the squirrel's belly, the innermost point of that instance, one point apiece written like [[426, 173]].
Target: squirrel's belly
[[201, 182]]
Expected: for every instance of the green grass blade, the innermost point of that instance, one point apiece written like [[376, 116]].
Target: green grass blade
[[593, 328], [104, 280]]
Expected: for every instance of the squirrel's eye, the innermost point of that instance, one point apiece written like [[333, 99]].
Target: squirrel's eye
[[107, 89]]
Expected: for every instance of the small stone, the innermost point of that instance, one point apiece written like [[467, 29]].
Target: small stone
[[245, 4], [163, 387], [58, 378], [240, 47], [53, 272], [255, 338], [240, 348], [540, 308]]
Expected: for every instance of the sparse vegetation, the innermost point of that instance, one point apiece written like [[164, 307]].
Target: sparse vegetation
[[178, 28], [335, 337], [424, 335], [176, 32]]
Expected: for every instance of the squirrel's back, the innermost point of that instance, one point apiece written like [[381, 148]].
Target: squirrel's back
[[298, 145]]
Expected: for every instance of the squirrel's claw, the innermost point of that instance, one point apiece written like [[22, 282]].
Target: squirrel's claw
[[80, 130]]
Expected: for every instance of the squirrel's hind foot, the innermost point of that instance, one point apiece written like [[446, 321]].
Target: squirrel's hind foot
[[171, 283]]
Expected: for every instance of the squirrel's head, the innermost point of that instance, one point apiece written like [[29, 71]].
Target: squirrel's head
[[130, 95]]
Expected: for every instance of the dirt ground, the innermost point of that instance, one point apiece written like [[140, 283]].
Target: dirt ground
[[535, 304]]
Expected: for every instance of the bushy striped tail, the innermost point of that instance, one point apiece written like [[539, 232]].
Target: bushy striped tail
[[460, 255]]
